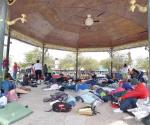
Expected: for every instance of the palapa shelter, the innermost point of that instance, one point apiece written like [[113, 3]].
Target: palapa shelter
[[78, 25], [60, 24]]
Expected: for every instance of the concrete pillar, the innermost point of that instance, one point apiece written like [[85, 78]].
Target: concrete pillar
[[77, 54], [111, 61], [3, 13], [149, 40], [43, 54], [8, 48]]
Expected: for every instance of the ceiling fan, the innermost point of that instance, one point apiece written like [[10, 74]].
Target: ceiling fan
[[89, 21]]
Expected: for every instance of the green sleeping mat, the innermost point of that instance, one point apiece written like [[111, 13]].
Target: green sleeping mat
[[12, 113]]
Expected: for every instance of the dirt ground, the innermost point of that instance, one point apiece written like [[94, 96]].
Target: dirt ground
[[39, 117]]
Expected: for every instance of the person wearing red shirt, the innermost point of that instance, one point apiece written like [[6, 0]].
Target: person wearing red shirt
[[129, 99]]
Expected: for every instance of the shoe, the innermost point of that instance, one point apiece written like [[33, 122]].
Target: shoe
[[117, 110]]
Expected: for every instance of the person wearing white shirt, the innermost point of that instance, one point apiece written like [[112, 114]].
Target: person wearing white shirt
[[38, 69], [124, 71]]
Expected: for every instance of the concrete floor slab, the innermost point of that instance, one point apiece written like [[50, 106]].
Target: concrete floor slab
[[39, 117]]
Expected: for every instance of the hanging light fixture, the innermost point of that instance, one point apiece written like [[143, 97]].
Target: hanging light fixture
[[89, 20], [22, 19], [11, 2], [135, 5]]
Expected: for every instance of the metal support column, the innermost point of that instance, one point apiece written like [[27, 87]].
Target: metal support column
[[149, 40], [8, 48], [43, 54], [3, 13], [111, 61], [77, 53]]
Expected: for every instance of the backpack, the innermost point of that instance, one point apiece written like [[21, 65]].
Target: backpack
[[101, 92], [61, 107], [61, 96]]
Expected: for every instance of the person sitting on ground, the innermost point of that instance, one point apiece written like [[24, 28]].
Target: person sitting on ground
[[134, 73], [109, 79], [137, 74], [26, 80], [94, 76], [7, 84], [8, 88], [125, 84], [48, 78], [61, 79], [129, 99]]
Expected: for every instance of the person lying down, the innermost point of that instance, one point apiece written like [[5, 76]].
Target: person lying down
[[9, 89]]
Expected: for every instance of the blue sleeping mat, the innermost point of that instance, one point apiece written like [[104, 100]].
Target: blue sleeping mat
[[82, 86]]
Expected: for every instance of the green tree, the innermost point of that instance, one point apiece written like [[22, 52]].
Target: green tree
[[89, 63], [105, 63], [69, 62], [118, 60], [142, 63], [129, 62], [32, 56]]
